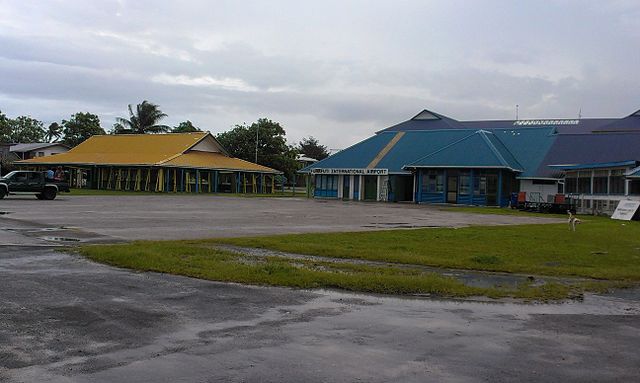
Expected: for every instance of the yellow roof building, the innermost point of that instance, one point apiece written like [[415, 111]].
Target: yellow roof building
[[198, 150]]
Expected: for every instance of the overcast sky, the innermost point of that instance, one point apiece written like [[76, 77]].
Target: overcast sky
[[337, 70]]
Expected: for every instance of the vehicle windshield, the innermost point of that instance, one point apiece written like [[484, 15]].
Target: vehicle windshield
[[9, 175]]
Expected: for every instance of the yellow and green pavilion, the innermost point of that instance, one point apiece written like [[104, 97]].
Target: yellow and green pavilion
[[174, 162]]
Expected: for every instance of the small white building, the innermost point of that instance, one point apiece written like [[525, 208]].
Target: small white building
[[37, 149]]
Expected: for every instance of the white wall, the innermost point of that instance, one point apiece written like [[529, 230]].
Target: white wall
[[547, 191], [208, 144], [56, 149]]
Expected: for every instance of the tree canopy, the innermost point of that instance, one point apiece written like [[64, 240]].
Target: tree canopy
[[80, 127], [22, 129], [273, 150], [185, 127], [310, 147], [54, 132], [145, 119]]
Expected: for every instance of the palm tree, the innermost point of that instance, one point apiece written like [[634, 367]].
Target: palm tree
[[54, 132], [144, 120]]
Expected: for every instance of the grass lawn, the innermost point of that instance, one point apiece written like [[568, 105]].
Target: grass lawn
[[196, 259], [93, 192], [602, 249], [499, 211]]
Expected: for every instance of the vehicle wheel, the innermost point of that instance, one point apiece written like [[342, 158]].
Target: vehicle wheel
[[3, 192], [39, 196], [49, 193]]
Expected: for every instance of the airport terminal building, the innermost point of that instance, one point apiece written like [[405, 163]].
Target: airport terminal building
[[432, 158], [173, 162]]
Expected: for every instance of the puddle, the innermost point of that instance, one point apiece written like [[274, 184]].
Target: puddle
[[399, 226], [61, 239], [482, 279]]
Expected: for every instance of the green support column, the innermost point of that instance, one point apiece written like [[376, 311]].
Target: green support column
[[215, 181]]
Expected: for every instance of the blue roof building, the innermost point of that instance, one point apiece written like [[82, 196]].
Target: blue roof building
[[432, 158]]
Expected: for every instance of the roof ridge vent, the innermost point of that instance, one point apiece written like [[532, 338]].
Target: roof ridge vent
[[426, 115]]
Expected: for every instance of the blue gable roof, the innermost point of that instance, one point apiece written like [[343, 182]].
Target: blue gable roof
[[357, 156], [480, 149], [415, 144]]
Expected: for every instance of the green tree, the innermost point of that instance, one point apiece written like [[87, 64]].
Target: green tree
[[5, 129], [145, 119], [80, 127], [273, 150], [311, 148], [54, 132], [185, 127], [25, 129]]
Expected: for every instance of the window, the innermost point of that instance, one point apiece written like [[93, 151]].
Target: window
[[560, 188], [571, 183], [426, 115], [33, 177], [433, 182], [634, 187], [20, 177], [616, 181], [465, 183], [480, 185], [584, 182], [601, 182], [543, 182]]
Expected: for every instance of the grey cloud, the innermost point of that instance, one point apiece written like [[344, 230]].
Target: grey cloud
[[338, 71]]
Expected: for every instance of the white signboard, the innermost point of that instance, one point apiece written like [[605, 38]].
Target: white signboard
[[626, 210], [351, 171]]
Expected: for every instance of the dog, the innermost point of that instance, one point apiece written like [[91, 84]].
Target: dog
[[573, 221]]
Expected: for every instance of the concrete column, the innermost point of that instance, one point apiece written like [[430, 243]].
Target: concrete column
[[351, 184], [626, 186]]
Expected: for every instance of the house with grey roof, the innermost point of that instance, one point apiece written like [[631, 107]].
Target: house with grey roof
[[37, 149]]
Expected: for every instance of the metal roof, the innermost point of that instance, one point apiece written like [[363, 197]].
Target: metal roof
[[634, 173], [172, 149], [356, 156], [597, 165], [589, 149], [415, 144], [528, 145], [20, 148], [480, 149], [628, 124], [209, 160]]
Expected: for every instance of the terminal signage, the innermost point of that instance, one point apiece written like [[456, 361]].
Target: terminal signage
[[626, 210], [351, 171]]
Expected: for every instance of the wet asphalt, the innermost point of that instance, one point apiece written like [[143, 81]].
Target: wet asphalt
[[66, 319]]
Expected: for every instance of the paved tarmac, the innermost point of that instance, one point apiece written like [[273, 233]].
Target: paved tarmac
[[197, 216], [66, 319]]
